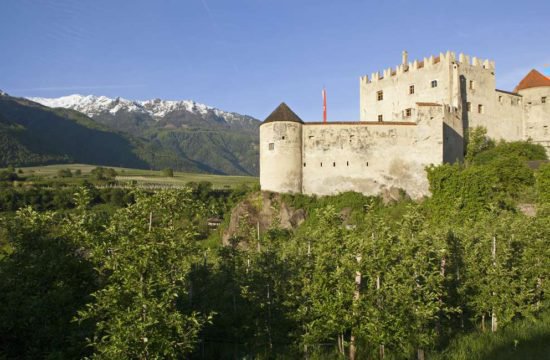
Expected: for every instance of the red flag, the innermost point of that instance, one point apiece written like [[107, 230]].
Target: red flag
[[324, 105]]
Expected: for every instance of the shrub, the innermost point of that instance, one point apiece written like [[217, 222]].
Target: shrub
[[64, 173], [169, 172]]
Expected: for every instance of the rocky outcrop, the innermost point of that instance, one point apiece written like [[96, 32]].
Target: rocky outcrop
[[259, 212]]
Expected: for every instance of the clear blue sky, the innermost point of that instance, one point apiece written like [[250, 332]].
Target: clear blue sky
[[249, 55]]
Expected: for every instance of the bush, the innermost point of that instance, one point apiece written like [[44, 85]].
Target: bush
[[64, 173], [523, 150], [543, 184], [101, 173], [169, 172]]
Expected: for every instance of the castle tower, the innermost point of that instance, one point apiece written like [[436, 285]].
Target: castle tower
[[281, 151], [535, 91]]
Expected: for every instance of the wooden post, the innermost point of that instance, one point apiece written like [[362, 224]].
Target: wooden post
[[420, 354], [494, 323], [381, 347], [356, 295], [259, 248], [150, 221]]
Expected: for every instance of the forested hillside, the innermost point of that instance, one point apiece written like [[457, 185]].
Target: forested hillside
[[32, 134], [194, 136], [460, 275]]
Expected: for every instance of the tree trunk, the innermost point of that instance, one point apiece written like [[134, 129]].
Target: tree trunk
[[381, 350], [483, 322], [420, 354]]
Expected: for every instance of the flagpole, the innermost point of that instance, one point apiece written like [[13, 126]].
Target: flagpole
[[324, 105]]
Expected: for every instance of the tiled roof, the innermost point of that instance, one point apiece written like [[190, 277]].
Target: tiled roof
[[531, 80], [283, 113]]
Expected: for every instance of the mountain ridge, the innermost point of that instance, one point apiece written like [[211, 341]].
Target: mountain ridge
[[93, 105], [184, 135]]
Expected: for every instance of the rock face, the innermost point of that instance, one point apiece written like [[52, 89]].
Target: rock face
[[259, 212]]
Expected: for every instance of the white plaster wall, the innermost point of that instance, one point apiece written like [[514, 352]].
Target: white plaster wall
[[281, 168], [537, 115], [370, 158], [396, 90], [503, 120]]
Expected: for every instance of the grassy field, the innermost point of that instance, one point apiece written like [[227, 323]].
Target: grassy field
[[139, 176]]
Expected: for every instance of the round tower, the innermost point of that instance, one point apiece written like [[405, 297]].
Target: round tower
[[281, 151]]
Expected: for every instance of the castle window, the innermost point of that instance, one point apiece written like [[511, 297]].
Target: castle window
[[347, 163], [334, 164], [543, 100], [283, 137], [480, 109], [271, 146], [469, 106], [304, 164], [380, 118], [408, 112], [380, 95], [434, 83], [472, 85], [321, 164], [500, 98], [367, 163], [411, 89]]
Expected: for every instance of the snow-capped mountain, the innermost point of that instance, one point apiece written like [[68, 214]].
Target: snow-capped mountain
[[183, 135], [95, 106]]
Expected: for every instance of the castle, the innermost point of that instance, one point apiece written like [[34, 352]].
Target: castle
[[411, 116]]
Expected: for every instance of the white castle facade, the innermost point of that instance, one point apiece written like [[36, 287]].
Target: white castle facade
[[411, 116]]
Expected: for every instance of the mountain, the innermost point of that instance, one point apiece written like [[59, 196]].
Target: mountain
[[134, 116], [184, 135], [32, 134]]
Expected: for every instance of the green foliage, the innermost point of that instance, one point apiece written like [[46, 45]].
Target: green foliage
[[496, 177], [8, 175], [523, 150], [543, 184], [145, 258], [64, 173], [477, 142], [524, 339], [101, 173], [168, 172], [44, 281], [358, 273]]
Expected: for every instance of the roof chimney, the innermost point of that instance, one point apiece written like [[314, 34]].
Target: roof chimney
[[405, 59]]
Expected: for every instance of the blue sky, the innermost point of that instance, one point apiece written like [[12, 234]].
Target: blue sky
[[249, 55]]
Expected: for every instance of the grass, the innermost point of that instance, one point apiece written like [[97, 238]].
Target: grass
[[524, 339], [139, 176]]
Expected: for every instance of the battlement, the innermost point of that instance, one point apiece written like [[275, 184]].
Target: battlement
[[427, 63]]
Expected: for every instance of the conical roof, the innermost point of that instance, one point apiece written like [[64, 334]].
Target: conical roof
[[283, 113], [531, 80]]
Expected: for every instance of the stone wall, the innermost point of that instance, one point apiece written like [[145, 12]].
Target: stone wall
[[372, 157], [395, 86], [537, 115]]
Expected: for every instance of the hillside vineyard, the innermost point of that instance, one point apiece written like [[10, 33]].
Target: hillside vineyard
[[411, 116]]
